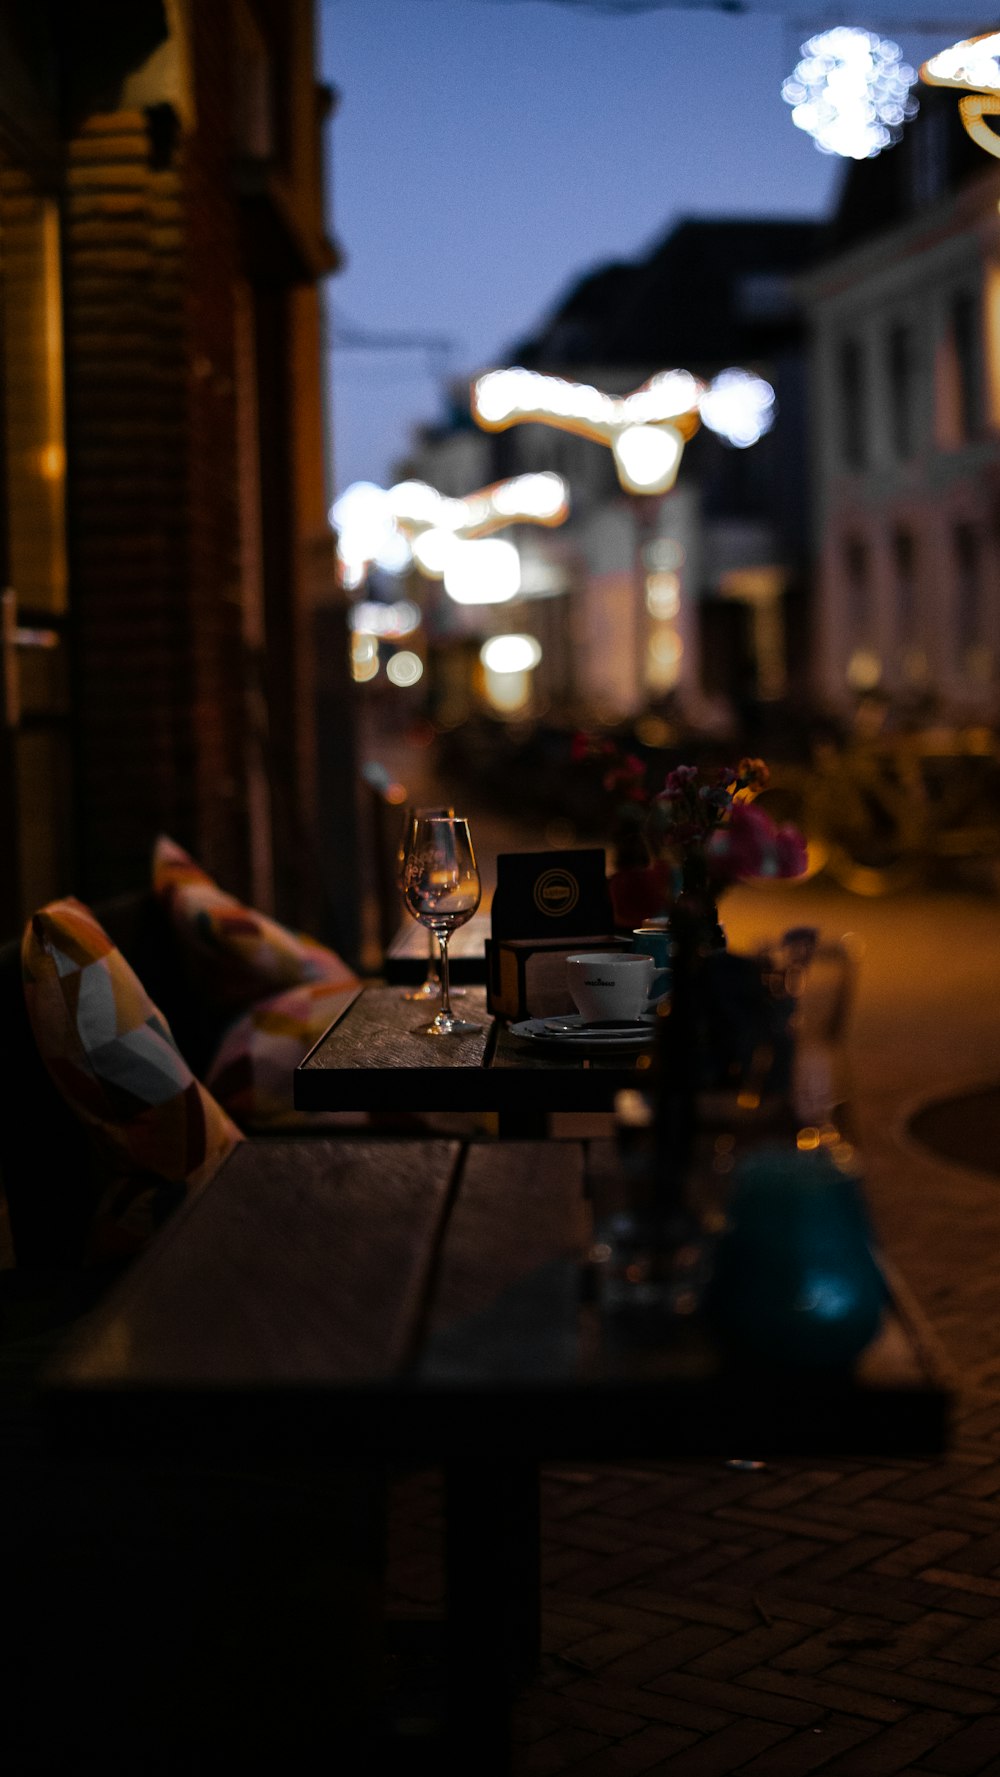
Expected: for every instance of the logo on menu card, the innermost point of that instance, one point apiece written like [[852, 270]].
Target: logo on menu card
[[556, 893]]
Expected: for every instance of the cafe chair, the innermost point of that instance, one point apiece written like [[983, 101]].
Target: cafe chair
[[820, 975]]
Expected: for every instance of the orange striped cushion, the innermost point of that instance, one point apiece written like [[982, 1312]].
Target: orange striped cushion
[[251, 1073], [236, 955], [111, 1054]]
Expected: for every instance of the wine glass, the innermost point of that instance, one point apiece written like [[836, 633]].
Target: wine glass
[[430, 987], [442, 890]]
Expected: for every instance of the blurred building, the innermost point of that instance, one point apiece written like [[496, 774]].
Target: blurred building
[[905, 407], [162, 497], [700, 591]]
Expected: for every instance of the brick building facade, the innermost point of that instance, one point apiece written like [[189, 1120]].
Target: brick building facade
[[170, 155], [905, 407]]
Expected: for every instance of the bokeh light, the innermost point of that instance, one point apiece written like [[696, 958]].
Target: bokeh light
[[372, 619], [413, 522], [647, 458], [851, 92], [739, 407], [663, 595], [483, 572], [864, 669], [367, 532], [661, 554], [404, 668], [664, 650], [511, 653], [431, 550], [507, 692], [974, 63], [542, 497], [364, 658]]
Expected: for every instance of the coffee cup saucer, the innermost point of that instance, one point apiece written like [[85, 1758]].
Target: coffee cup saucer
[[573, 1028]]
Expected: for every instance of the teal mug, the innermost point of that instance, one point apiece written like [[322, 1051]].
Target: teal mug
[[655, 941]]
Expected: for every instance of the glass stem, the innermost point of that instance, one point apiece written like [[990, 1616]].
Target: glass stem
[[433, 972], [443, 971]]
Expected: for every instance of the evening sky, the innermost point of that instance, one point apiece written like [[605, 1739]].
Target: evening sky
[[486, 153]]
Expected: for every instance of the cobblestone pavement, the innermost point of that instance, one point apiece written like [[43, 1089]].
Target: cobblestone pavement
[[842, 1617]]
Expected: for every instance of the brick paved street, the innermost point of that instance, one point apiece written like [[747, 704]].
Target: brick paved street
[[842, 1617]]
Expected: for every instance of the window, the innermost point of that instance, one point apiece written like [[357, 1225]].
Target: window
[[856, 577], [904, 561], [36, 758], [864, 665], [975, 656], [902, 388], [965, 336], [852, 403], [968, 588]]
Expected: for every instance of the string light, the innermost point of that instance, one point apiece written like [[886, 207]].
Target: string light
[[646, 430], [412, 521], [369, 618], [973, 65], [482, 571]]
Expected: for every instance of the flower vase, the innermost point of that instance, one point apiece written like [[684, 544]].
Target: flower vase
[[698, 904], [655, 1255]]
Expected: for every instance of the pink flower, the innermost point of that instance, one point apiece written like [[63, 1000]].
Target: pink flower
[[750, 845], [793, 857], [678, 781]]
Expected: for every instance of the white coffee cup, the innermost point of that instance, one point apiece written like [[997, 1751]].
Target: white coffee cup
[[610, 984]]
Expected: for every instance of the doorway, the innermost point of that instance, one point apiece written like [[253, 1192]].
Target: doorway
[[36, 751]]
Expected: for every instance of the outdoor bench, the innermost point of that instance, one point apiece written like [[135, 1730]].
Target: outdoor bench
[[352, 1308]]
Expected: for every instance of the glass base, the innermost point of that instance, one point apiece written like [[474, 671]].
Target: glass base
[[446, 1026], [428, 990]]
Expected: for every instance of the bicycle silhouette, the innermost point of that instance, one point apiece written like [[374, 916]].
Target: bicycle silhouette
[[891, 811]]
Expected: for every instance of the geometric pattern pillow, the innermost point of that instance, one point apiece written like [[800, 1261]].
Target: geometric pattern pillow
[[251, 1072], [111, 1055], [236, 955]]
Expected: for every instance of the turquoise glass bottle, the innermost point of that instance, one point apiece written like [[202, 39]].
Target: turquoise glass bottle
[[795, 1283]]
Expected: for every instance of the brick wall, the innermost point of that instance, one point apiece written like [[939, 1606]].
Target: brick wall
[[126, 400], [213, 272], [197, 553], [153, 507]]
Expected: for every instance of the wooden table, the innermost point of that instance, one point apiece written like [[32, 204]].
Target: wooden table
[[421, 1302], [373, 1058]]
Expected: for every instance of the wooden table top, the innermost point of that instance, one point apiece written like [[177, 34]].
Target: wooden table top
[[359, 1300], [374, 1058]]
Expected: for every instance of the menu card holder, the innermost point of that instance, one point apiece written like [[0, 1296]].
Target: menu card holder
[[547, 906]]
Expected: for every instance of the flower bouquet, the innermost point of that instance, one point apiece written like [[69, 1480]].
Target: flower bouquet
[[684, 844]]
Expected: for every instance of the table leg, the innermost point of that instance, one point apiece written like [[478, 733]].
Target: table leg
[[240, 1615], [523, 1125], [492, 1562]]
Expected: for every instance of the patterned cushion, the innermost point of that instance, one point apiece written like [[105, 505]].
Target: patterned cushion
[[111, 1055], [251, 1073], [236, 956]]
